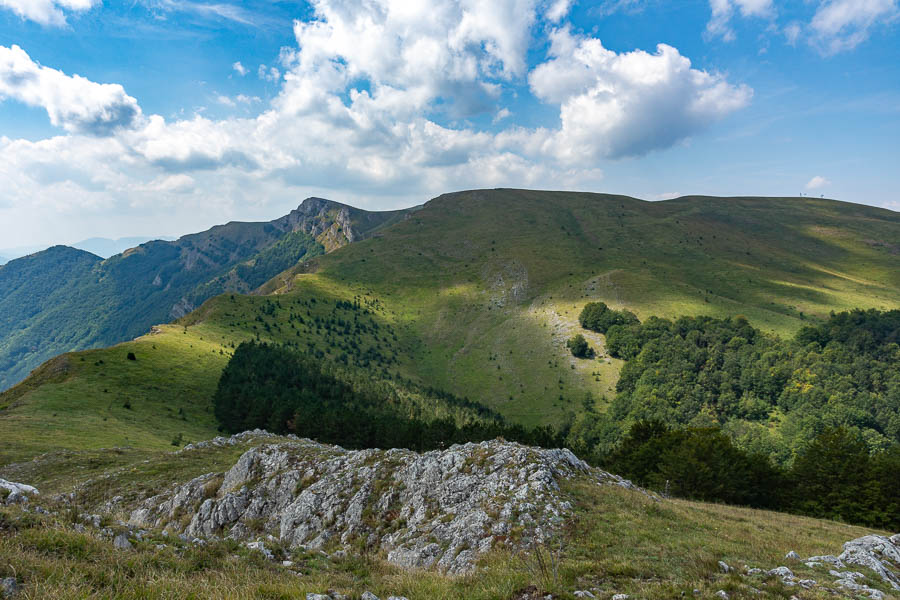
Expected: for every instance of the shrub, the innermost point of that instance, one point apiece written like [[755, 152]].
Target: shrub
[[579, 347], [598, 317]]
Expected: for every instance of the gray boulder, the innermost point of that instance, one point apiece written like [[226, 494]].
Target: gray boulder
[[121, 542], [782, 572]]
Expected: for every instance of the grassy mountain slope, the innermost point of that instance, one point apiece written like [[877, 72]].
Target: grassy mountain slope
[[477, 292], [121, 297], [491, 282]]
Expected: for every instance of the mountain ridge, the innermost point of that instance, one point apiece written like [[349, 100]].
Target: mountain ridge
[[115, 299]]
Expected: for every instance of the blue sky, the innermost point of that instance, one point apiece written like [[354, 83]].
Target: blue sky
[[162, 117]]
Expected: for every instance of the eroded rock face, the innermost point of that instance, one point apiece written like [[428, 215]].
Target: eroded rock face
[[439, 509]]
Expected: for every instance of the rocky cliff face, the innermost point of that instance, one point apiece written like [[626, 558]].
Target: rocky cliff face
[[335, 225], [441, 509], [327, 221]]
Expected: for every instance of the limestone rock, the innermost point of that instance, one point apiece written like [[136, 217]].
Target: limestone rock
[[16, 493], [121, 542], [875, 552], [859, 588], [441, 509], [782, 572]]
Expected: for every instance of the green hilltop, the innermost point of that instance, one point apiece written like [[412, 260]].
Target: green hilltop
[[476, 293]]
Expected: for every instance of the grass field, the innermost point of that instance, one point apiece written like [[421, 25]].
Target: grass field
[[618, 541], [476, 293]]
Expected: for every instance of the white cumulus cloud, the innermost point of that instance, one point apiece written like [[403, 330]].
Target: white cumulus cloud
[[239, 68], [817, 182], [373, 102], [628, 104], [72, 102], [46, 12]]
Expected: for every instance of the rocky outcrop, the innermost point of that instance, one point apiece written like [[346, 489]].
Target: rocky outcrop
[[440, 509], [878, 553], [15, 493], [334, 224]]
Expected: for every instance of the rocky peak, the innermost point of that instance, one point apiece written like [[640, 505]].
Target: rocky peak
[[329, 222]]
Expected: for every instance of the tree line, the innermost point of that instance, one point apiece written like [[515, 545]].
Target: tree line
[[834, 477], [284, 391]]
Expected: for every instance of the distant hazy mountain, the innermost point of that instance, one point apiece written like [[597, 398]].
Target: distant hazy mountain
[[106, 247], [8, 254], [102, 247], [64, 299]]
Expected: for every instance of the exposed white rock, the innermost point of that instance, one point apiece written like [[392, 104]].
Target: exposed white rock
[[219, 442], [859, 588], [440, 509], [782, 572], [828, 559], [876, 552], [16, 493]]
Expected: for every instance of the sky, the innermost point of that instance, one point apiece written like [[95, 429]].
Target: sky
[[164, 117]]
